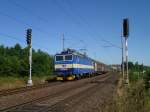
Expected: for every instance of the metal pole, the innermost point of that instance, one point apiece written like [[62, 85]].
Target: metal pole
[[63, 42], [30, 63], [30, 83], [142, 70], [126, 49], [122, 56]]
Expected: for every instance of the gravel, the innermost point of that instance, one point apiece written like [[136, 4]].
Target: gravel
[[87, 95]]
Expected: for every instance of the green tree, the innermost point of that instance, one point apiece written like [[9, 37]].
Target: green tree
[[15, 62]]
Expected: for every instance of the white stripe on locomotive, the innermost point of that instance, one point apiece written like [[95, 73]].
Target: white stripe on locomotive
[[59, 66]]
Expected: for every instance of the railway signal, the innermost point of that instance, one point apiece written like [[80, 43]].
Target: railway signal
[[29, 36], [126, 35], [125, 28], [29, 43]]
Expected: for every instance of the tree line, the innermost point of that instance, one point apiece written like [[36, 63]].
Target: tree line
[[14, 61]]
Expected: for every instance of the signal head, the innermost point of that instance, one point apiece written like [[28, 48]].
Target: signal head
[[125, 27], [29, 36]]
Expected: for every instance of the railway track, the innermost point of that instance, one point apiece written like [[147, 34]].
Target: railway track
[[27, 88], [31, 106]]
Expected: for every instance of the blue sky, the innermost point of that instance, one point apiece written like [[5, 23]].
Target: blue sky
[[85, 23]]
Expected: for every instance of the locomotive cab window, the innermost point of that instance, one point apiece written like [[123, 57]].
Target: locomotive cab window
[[59, 58], [68, 57]]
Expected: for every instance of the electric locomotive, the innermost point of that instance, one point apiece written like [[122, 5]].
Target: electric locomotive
[[70, 65]]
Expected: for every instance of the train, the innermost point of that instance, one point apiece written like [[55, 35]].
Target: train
[[71, 65]]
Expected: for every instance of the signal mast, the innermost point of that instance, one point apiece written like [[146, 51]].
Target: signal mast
[[29, 43]]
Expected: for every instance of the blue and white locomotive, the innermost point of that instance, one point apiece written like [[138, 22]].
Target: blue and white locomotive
[[71, 64]]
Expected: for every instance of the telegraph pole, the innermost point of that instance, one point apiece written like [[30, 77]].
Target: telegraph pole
[[142, 70], [63, 41], [122, 48], [126, 34], [29, 43]]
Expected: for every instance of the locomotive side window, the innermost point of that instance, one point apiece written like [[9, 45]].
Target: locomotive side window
[[68, 57], [59, 58]]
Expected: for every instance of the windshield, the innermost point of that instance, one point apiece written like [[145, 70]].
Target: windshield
[[68, 57], [59, 58], [64, 58]]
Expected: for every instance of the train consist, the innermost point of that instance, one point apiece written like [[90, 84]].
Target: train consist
[[70, 65]]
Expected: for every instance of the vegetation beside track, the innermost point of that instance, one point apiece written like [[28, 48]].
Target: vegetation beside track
[[135, 96], [14, 62], [14, 66], [16, 82]]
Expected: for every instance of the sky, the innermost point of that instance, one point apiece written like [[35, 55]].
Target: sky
[[86, 24]]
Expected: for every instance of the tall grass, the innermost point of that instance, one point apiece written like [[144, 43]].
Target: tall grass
[[132, 98], [9, 82], [129, 99], [147, 101]]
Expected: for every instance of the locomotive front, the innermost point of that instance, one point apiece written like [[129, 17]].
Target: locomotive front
[[64, 65]]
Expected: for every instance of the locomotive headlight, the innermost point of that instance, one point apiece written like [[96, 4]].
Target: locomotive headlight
[[63, 66]]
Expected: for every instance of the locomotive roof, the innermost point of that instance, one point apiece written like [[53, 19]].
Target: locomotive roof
[[72, 51]]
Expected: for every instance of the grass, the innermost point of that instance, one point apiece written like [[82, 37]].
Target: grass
[[147, 101], [16, 82], [132, 98], [134, 76], [11, 82]]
